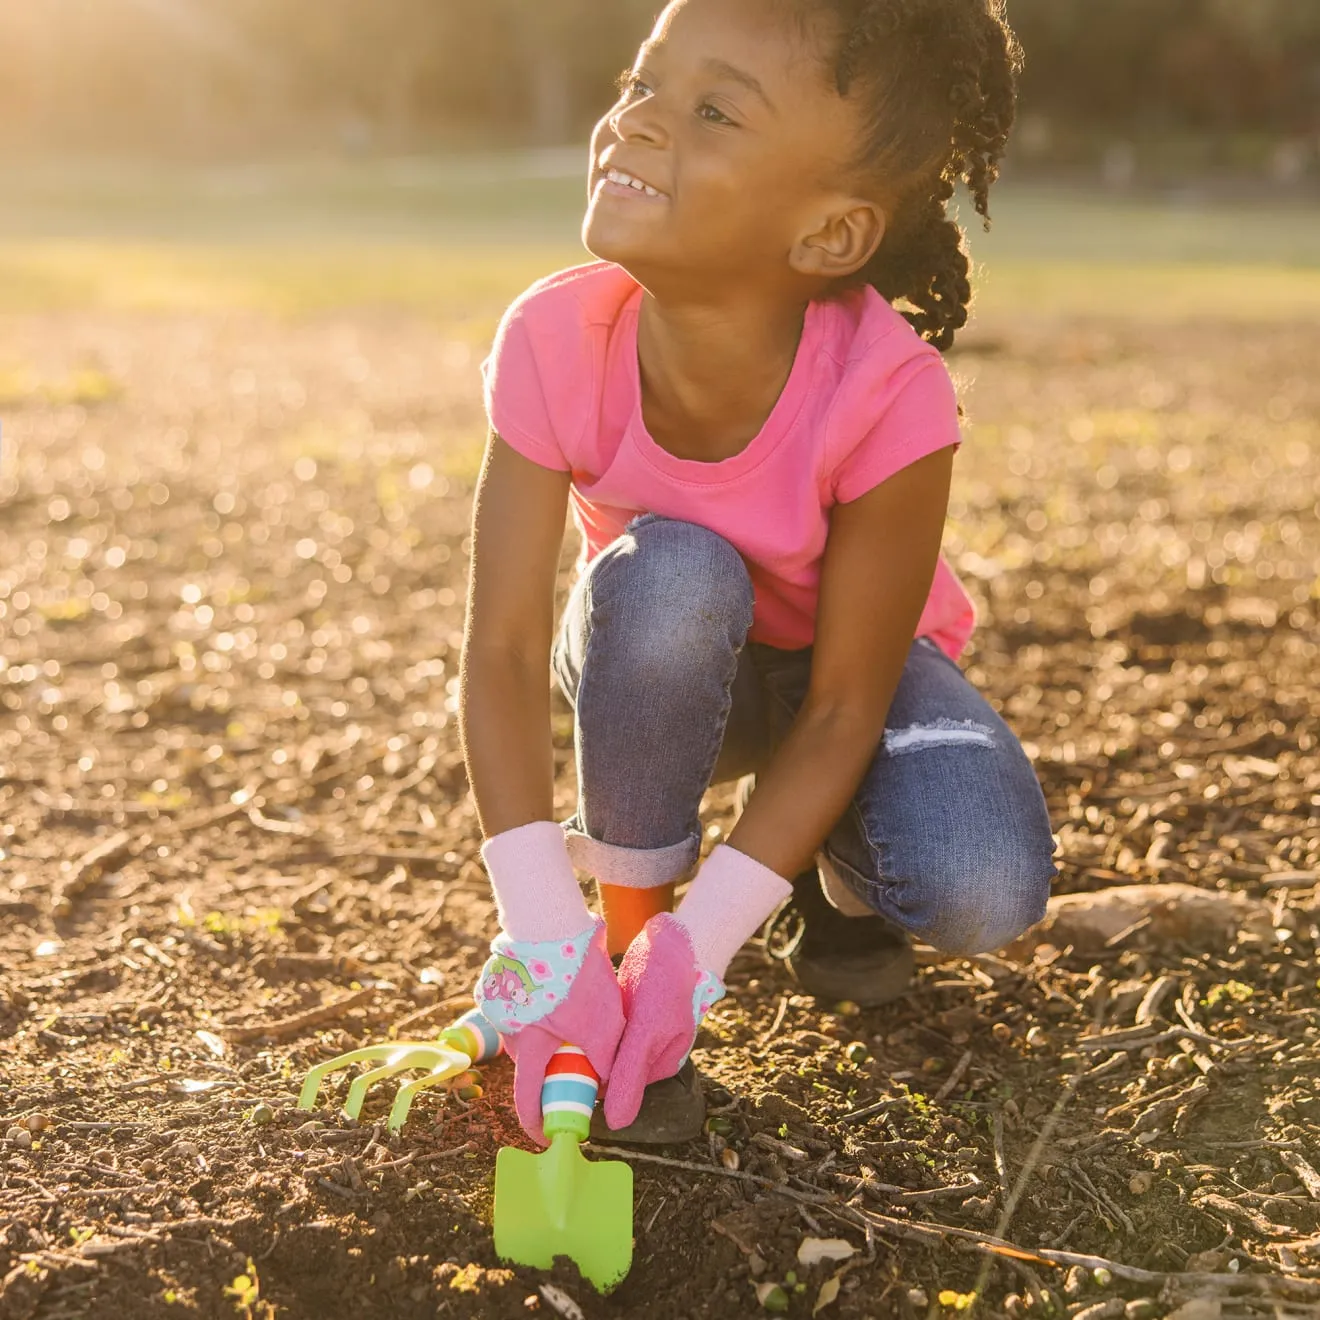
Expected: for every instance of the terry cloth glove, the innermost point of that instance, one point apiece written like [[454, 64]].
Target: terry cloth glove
[[672, 972], [549, 981]]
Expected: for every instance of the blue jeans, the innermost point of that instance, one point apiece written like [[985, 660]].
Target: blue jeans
[[947, 835]]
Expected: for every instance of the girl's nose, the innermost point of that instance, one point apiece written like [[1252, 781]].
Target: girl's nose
[[638, 122]]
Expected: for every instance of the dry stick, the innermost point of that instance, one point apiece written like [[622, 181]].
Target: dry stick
[[1137, 1038], [993, 1246], [1149, 1007], [1303, 1172], [1001, 1166], [87, 868], [954, 1077], [769, 1034], [870, 1111], [292, 1026], [719, 1171]]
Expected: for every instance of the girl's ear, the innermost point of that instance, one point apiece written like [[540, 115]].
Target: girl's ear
[[840, 241]]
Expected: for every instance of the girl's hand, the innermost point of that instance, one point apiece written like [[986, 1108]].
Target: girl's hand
[[549, 980], [540, 995], [672, 972], [665, 996]]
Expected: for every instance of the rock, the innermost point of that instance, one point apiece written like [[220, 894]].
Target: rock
[[1178, 913]]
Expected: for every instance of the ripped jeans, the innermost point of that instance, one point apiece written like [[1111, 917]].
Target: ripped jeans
[[947, 835]]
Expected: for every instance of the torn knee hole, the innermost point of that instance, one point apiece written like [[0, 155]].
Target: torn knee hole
[[942, 733]]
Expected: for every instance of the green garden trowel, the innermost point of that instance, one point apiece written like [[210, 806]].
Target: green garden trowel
[[558, 1203]]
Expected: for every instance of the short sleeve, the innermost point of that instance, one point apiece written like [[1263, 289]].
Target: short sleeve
[[917, 415], [515, 390]]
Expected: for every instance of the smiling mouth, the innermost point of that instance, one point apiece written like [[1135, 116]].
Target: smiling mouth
[[623, 184]]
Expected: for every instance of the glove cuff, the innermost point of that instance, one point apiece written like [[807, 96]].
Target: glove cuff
[[726, 903], [535, 886]]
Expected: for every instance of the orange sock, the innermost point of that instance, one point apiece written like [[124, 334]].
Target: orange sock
[[627, 910]]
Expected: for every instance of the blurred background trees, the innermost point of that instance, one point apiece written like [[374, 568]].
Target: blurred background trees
[[234, 75]]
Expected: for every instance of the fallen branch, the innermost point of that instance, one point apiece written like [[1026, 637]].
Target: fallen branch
[[1137, 1038], [300, 1022], [820, 1198]]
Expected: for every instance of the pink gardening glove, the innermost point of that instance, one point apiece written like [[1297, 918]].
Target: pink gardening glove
[[549, 981], [671, 973], [541, 995]]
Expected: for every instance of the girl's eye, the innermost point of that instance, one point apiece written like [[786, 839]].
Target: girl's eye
[[720, 116], [629, 84]]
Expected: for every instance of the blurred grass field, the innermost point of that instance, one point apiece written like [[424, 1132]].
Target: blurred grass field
[[453, 239]]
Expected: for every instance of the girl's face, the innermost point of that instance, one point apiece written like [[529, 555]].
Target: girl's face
[[727, 119]]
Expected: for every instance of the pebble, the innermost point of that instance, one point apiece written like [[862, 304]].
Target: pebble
[[1140, 1183], [39, 1122], [19, 1137], [188, 1149], [261, 1114]]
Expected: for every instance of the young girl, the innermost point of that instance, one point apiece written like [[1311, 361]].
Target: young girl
[[757, 447]]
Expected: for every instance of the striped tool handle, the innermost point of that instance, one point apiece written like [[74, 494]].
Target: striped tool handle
[[568, 1094], [474, 1036]]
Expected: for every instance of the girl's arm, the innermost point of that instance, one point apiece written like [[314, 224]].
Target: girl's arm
[[879, 564], [504, 716]]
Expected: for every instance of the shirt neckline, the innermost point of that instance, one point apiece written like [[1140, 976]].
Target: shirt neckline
[[777, 425]]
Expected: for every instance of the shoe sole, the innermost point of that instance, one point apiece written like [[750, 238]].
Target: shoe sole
[[885, 980]]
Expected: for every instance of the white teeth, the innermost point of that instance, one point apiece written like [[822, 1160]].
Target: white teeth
[[627, 180]]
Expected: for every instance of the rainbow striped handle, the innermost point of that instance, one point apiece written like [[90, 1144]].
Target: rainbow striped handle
[[474, 1036], [568, 1094]]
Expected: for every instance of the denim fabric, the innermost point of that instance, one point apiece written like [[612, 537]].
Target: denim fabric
[[947, 835]]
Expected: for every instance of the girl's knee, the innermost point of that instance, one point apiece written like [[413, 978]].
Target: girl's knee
[[677, 583], [984, 905]]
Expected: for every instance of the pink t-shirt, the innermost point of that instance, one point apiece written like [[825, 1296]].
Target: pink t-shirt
[[865, 398]]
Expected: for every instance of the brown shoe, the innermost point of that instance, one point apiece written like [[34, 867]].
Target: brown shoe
[[834, 957], [867, 960], [672, 1111]]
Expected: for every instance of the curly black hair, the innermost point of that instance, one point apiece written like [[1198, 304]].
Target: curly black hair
[[937, 86]]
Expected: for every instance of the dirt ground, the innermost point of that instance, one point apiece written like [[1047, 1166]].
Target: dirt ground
[[232, 564]]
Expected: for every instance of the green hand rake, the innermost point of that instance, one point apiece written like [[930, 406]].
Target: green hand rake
[[471, 1040]]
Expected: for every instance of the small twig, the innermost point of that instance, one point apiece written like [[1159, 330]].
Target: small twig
[[300, 1022], [1137, 1038], [771, 1031], [1001, 1165], [1114, 940], [650, 1223], [714, 1169], [87, 868], [1303, 1172], [955, 1077], [443, 1154], [1149, 1007], [871, 1111]]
